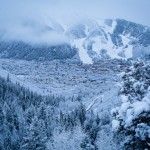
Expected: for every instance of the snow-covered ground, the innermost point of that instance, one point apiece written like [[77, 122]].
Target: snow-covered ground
[[94, 84], [15, 79]]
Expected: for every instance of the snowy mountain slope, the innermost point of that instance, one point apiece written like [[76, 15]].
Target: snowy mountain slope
[[112, 39], [14, 79], [21, 50], [94, 39], [36, 40]]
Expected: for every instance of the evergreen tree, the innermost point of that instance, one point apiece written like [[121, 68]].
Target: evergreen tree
[[132, 118], [35, 138]]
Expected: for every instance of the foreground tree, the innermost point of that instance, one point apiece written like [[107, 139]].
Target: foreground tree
[[132, 118]]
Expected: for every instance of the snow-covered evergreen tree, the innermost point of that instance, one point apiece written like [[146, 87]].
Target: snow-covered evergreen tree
[[67, 140], [36, 136], [132, 118]]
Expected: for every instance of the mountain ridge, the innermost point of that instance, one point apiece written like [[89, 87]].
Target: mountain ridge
[[91, 39]]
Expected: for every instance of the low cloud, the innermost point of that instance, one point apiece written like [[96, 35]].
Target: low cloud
[[31, 20], [35, 33]]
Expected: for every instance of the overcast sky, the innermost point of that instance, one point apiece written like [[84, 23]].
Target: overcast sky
[[133, 10]]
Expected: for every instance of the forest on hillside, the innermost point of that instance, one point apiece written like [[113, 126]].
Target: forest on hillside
[[29, 121]]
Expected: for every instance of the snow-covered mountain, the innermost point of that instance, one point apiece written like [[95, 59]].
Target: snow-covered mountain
[[91, 39], [118, 38]]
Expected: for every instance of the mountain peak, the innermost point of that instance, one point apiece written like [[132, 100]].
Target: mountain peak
[[93, 38]]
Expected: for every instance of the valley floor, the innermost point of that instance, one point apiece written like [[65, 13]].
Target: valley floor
[[94, 84]]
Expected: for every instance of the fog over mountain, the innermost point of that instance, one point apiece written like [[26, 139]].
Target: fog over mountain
[[87, 38], [31, 19]]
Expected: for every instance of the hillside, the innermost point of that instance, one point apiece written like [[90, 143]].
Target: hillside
[[88, 40]]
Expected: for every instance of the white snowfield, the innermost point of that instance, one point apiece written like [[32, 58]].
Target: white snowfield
[[98, 37], [84, 57]]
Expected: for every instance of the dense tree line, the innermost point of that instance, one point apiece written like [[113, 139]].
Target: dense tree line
[[22, 50], [29, 121]]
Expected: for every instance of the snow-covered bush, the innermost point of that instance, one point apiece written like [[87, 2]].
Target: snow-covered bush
[[105, 139], [132, 118], [66, 140]]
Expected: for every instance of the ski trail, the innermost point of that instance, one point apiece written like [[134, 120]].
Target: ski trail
[[85, 58], [106, 101], [93, 102]]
